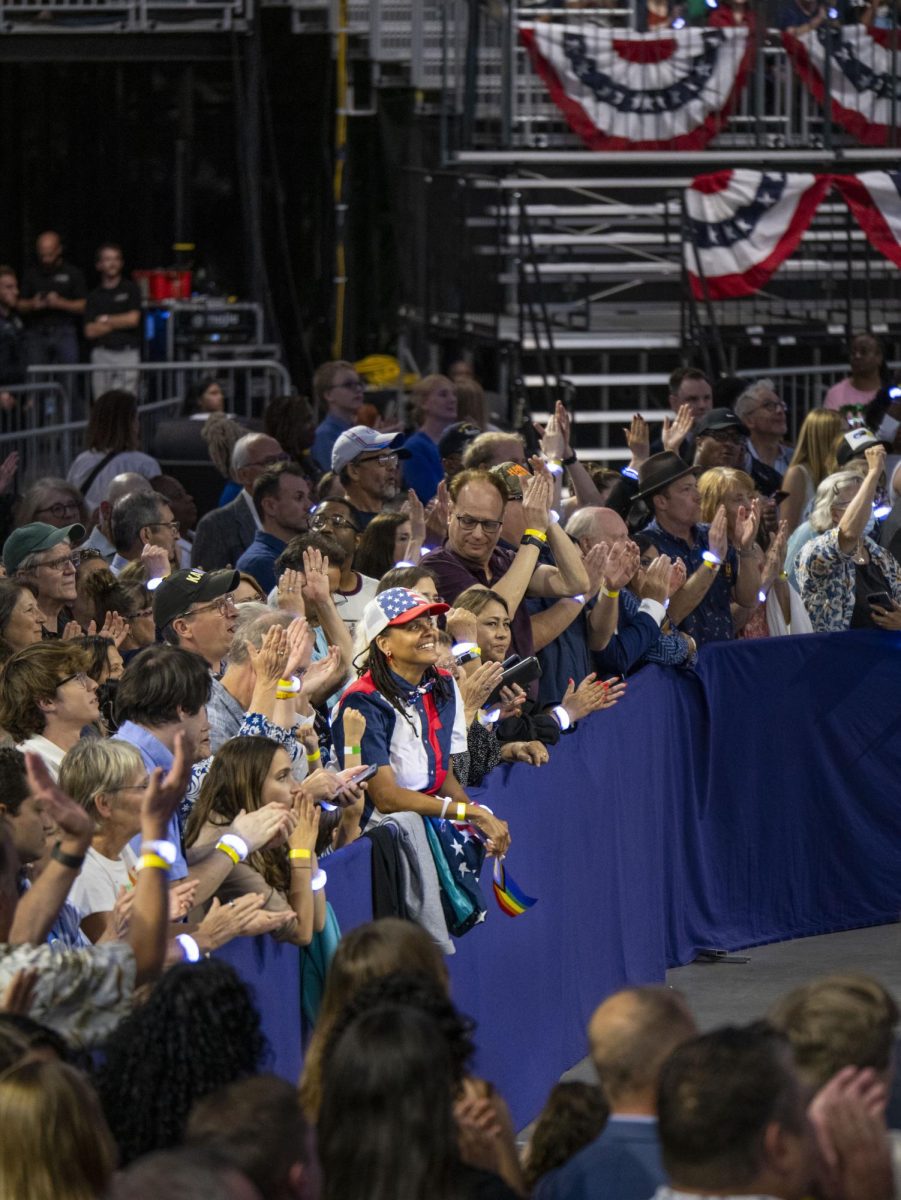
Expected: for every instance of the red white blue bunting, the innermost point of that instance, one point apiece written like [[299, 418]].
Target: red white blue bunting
[[667, 90], [741, 225], [861, 79], [875, 199]]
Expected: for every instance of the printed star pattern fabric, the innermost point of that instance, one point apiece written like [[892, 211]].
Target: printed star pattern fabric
[[667, 90], [742, 225]]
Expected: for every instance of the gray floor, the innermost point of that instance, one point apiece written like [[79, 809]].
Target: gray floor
[[723, 992]]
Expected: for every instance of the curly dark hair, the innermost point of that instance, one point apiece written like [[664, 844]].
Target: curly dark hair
[[198, 1031], [574, 1115]]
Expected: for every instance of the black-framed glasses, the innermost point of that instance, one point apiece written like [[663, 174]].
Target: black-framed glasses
[[384, 460], [60, 509], [271, 460], [60, 564], [80, 676], [469, 523]]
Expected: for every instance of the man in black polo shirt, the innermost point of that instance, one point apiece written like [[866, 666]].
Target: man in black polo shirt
[[53, 297], [112, 323]]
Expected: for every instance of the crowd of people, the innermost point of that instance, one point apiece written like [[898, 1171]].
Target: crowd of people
[[199, 712]]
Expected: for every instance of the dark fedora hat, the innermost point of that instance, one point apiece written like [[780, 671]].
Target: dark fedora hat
[[658, 472]]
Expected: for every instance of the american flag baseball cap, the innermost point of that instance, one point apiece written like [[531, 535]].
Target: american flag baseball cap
[[396, 606]]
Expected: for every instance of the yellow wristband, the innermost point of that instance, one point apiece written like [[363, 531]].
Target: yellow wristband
[[537, 533], [315, 756], [611, 595], [461, 811], [300, 852], [711, 566], [153, 860], [230, 851]]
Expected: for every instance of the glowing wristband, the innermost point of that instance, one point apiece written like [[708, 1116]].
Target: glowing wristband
[[152, 584], [302, 853], [579, 598], [711, 560], [404, 562], [554, 466], [288, 685], [461, 810], [233, 847], [536, 533], [610, 594], [563, 717], [555, 517], [445, 805], [353, 749], [153, 860], [164, 850], [318, 882], [489, 718], [189, 947]]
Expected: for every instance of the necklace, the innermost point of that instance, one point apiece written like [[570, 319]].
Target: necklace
[[860, 556]]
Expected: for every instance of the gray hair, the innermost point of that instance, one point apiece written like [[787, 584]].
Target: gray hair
[[241, 450], [481, 451], [827, 495], [126, 484], [131, 514], [35, 498], [581, 523], [749, 397], [254, 620]]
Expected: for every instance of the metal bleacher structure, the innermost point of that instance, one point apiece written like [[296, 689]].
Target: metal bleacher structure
[[565, 263]]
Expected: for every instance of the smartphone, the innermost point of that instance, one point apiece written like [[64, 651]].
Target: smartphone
[[362, 775], [522, 672], [880, 600]]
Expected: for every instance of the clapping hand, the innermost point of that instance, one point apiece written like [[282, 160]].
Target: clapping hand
[[774, 561], [590, 696], [155, 560], [678, 575], [717, 534], [623, 561], [477, 687], [270, 661], [461, 624], [412, 508], [638, 439], [319, 672], [595, 564], [747, 523], [315, 569], [676, 431], [300, 647], [656, 582], [536, 499], [114, 627]]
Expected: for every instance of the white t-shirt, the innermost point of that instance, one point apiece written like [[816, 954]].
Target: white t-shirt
[[97, 886], [350, 605], [127, 461]]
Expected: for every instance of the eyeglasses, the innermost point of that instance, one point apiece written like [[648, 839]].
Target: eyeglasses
[[140, 614], [725, 436], [80, 677], [384, 460], [173, 525], [88, 555], [60, 564], [469, 523], [772, 406], [59, 509], [334, 520], [223, 604]]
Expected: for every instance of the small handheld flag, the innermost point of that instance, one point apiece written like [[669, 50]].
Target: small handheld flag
[[510, 897]]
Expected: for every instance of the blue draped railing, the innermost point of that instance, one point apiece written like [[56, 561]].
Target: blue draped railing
[[755, 800]]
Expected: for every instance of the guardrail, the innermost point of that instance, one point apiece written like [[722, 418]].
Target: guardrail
[[123, 16], [47, 426]]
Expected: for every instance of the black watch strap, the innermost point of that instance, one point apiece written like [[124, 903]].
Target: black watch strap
[[568, 462], [528, 540], [73, 861]]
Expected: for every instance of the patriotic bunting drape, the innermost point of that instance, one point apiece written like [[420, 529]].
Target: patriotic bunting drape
[[875, 199], [861, 80], [743, 224], [740, 226], [668, 90]]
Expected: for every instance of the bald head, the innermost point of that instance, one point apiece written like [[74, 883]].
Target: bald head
[[589, 526], [49, 248], [126, 484], [631, 1036]]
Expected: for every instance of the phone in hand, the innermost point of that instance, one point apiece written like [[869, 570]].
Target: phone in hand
[[523, 672], [361, 776], [880, 600]]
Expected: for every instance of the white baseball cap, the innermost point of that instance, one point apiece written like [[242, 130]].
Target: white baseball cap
[[361, 439]]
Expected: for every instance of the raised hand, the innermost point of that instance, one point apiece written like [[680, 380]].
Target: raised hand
[[656, 582], [477, 687], [591, 695], [412, 508], [306, 830], [155, 560], [461, 624], [551, 440], [114, 627], [354, 724], [319, 672], [774, 561], [623, 561], [271, 660], [595, 563], [437, 513], [675, 432], [289, 591], [875, 456], [638, 439], [163, 794], [315, 570], [71, 630], [848, 1119], [8, 469], [536, 500], [300, 647], [264, 827], [564, 421], [717, 535], [747, 522], [678, 575]]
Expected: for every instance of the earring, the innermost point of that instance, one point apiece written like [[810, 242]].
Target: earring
[[387, 654]]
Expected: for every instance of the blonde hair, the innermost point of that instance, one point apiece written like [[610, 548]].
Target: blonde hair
[[421, 391], [56, 1144], [97, 765], [815, 448], [717, 484], [828, 493], [221, 432]]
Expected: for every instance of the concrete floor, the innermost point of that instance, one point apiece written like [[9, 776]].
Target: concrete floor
[[727, 992]]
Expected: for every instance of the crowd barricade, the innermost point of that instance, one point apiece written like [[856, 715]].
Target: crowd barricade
[[750, 801]]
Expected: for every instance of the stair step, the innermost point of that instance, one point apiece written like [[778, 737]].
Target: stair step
[[626, 379], [571, 342]]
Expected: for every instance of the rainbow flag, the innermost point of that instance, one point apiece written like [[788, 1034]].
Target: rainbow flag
[[511, 899]]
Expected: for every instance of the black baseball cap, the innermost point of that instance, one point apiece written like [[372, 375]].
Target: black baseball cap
[[176, 593], [855, 443], [717, 420], [457, 437]]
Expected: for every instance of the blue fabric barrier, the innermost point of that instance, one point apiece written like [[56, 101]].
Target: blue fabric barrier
[[751, 801]]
